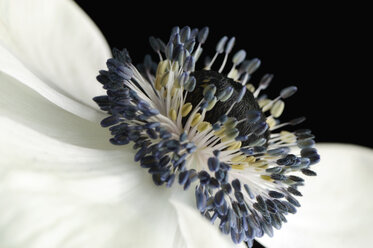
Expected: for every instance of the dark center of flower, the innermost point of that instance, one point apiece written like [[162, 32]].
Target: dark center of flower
[[248, 102]]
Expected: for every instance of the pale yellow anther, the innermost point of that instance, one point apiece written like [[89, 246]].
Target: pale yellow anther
[[206, 80], [277, 108], [260, 164], [157, 83], [266, 178], [263, 102], [234, 145], [196, 119], [233, 74], [177, 83], [185, 110], [162, 67], [220, 132], [211, 104], [238, 158], [238, 166], [173, 91], [226, 138], [203, 126], [172, 114], [175, 66], [267, 107], [271, 121], [287, 137], [250, 159], [250, 87], [167, 78]]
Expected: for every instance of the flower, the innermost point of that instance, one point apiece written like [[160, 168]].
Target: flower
[[63, 185], [209, 126]]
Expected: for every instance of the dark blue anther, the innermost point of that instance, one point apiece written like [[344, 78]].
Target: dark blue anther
[[247, 151], [213, 164], [223, 119], [259, 149], [308, 172], [227, 188], [140, 154], [239, 196], [296, 178], [148, 162], [152, 112], [152, 125], [192, 149], [305, 143], [216, 153], [216, 126], [242, 138], [170, 180], [202, 35], [183, 137], [297, 121], [187, 184], [119, 69], [120, 140], [204, 177], [214, 183], [220, 175], [109, 121], [200, 199], [279, 151], [204, 104], [164, 161], [152, 134], [260, 128], [248, 191], [173, 145], [183, 177], [154, 43], [261, 202], [241, 94], [219, 198], [224, 166], [293, 201], [236, 184], [253, 116], [278, 177], [275, 194], [143, 106], [180, 160], [157, 180], [165, 135]]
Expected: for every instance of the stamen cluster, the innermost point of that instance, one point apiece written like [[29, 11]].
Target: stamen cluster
[[210, 129]]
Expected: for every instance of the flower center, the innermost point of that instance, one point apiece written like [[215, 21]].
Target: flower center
[[248, 103]]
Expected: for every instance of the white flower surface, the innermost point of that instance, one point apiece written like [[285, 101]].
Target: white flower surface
[[62, 184]]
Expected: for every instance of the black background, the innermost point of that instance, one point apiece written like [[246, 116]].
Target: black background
[[321, 49]]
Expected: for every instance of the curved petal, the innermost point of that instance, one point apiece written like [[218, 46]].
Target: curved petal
[[337, 206], [57, 43], [199, 233], [29, 108], [54, 194]]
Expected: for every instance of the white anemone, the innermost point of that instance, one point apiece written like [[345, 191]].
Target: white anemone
[[62, 184]]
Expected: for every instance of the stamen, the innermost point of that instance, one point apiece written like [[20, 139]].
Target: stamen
[[175, 115]]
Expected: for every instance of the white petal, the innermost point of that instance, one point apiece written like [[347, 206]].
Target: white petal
[[337, 204], [57, 42], [29, 108], [54, 194], [199, 233]]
